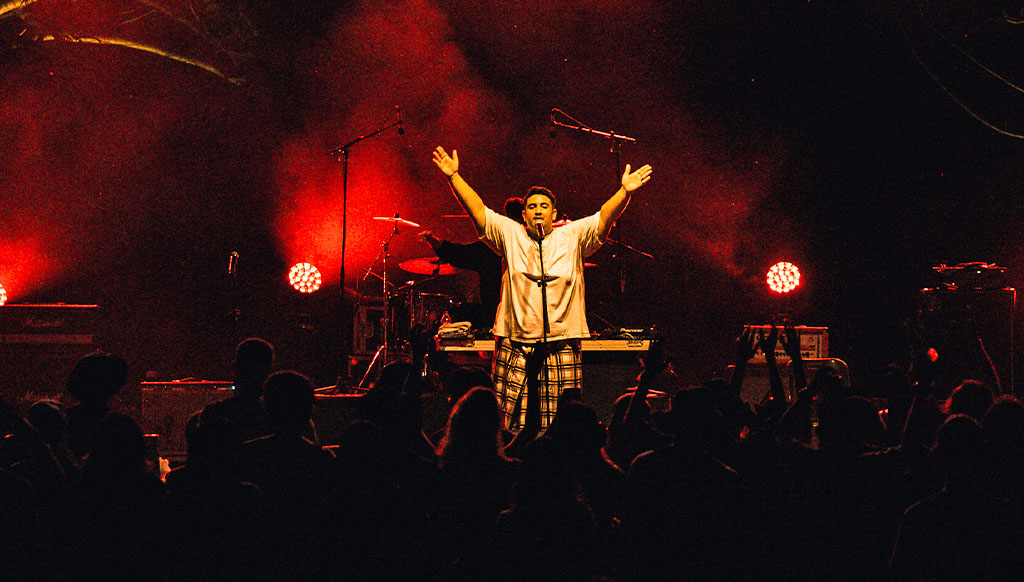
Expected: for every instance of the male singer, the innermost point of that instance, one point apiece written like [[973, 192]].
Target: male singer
[[537, 341]]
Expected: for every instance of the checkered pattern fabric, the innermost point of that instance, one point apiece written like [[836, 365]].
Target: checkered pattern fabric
[[512, 360]]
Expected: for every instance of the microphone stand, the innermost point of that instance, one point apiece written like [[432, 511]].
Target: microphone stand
[[346, 315], [531, 427], [616, 150], [629, 248], [533, 396], [236, 312]]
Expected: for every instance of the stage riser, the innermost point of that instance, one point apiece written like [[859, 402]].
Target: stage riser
[[606, 374]]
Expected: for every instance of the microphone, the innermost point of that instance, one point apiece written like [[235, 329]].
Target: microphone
[[232, 262], [540, 228], [401, 130]]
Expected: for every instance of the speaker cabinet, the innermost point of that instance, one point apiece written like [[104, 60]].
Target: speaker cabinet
[[39, 345], [368, 328], [167, 406], [973, 332]]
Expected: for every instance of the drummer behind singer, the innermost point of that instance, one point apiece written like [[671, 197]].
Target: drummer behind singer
[[519, 322], [481, 259]]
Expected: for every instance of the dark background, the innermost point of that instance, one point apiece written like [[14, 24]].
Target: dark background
[[849, 138]]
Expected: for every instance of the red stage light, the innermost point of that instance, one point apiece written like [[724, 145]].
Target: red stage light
[[783, 277], [305, 278]]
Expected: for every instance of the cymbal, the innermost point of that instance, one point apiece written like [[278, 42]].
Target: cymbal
[[589, 265], [427, 266], [398, 221]]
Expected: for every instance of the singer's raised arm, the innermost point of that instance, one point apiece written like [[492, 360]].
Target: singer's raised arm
[[466, 195], [611, 209]]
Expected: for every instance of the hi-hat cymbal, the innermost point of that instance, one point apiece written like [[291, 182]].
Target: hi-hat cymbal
[[398, 221], [427, 266]]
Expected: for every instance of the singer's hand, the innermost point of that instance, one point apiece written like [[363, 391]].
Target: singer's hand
[[448, 164], [633, 180]]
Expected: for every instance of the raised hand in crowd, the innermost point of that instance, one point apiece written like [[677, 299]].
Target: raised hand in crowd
[[746, 347], [791, 343], [777, 393]]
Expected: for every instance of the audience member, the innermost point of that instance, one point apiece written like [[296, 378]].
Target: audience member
[[689, 513], [461, 380], [110, 526], [294, 474], [971, 397], [548, 533], [31, 482], [395, 405], [377, 522], [51, 420], [213, 525], [93, 382], [1003, 427], [476, 484], [254, 360], [963, 532], [580, 437]]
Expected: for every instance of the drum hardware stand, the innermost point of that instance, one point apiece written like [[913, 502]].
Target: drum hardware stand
[[380, 357], [236, 312], [347, 316]]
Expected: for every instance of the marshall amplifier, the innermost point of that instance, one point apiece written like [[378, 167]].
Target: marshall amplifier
[[39, 344]]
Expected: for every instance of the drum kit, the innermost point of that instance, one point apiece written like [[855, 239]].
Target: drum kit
[[410, 316]]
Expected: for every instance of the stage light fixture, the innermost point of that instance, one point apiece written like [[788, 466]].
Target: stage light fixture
[[305, 278], [3, 295], [783, 277]]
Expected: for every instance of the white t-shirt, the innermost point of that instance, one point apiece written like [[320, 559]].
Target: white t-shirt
[[520, 317]]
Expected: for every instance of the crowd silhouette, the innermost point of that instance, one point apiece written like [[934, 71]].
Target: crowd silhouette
[[825, 481]]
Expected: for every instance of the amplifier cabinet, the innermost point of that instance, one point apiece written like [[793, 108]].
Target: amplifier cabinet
[[167, 406], [368, 327], [973, 332], [39, 345], [813, 343]]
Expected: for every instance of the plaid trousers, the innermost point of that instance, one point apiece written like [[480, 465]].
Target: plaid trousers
[[517, 363]]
